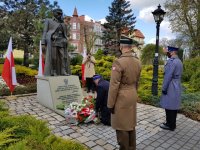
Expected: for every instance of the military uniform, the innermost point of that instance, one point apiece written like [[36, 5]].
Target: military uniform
[[171, 97], [55, 38], [122, 99]]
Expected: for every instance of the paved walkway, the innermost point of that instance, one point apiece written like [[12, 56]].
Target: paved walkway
[[100, 137]]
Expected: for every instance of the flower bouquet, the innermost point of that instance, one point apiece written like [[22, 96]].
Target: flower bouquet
[[76, 113]]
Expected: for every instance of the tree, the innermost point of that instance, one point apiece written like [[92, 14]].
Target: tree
[[148, 53], [178, 42], [88, 34], [184, 17], [120, 17], [71, 48], [4, 38], [23, 21]]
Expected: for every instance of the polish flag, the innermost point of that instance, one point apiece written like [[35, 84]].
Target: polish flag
[[83, 68], [41, 62], [8, 72]]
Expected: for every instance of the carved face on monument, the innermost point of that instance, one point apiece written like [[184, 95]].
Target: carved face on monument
[[57, 13]]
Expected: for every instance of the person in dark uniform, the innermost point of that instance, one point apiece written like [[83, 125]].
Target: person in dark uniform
[[171, 89], [101, 108], [122, 97], [54, 45]]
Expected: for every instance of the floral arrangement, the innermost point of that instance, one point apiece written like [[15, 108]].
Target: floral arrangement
[[76, 113]]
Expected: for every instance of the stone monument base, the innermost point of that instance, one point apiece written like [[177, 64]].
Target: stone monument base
[[56, 91]]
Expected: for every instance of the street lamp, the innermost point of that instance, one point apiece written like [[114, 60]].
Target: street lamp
[[158, 17]]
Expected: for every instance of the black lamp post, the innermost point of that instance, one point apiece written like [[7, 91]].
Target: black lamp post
[[158, 17]]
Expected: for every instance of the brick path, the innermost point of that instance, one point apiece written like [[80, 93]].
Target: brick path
[[100, 137]]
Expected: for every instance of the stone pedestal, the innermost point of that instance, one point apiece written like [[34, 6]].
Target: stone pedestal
[[53, 91]]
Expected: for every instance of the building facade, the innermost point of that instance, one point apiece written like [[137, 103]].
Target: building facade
[[138, 36], [84, 35]]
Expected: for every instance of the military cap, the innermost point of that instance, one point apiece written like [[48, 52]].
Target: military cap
[[170, 48], [58, 10], [126, 40], [96, 76]]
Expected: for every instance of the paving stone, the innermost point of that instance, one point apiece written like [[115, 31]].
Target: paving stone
[[99, 137], [93, 138], [100, 142], [75, 135], [97, 148], [67, 131], [82, 139], [109, 147], [90, 144], [64, 127]]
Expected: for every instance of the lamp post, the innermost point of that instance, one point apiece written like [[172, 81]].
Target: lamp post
[[158, 17]]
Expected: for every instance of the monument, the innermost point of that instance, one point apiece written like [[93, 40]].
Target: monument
[[57, 87]]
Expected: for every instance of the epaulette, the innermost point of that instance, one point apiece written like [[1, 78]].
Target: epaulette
[[172, 59]]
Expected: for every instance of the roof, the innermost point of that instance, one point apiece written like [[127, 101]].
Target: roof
[[138, 33], [135, 32], [75, 14]]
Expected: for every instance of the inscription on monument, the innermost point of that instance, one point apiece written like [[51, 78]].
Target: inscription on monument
[[67, 93]]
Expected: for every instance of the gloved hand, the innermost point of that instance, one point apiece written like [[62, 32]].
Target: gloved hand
[[111, 110], [164, 92]]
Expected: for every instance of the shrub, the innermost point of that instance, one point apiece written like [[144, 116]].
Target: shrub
[[22, 70], [99, 54], [27, 133], [28, 88], [190, 105], [77, 60]]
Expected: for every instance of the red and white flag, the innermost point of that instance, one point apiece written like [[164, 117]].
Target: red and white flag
[[8, 72], [41, 62]]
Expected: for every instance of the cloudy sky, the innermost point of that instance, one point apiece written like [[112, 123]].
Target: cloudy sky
[[98, 10]]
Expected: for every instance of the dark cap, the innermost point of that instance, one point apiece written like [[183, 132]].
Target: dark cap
[[96, 76], [126, 40], [58, 10], [170, 49]]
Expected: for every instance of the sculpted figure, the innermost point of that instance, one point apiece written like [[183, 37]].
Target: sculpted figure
[[54, 45]]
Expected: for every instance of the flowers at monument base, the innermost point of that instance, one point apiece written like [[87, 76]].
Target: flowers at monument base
[[76, 113]]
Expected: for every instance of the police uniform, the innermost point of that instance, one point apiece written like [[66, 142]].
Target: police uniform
[[122, 97], [171, 90]]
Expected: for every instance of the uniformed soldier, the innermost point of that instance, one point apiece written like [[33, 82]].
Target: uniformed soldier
[[54, 45], [123, 96], [171, 89]]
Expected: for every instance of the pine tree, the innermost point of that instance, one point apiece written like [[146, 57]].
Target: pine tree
[[120, 17]]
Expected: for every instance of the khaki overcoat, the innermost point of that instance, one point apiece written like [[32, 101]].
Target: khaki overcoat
[[123, 91], [89, 67]]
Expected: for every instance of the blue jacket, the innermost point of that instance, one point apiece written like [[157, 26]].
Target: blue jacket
[[101, 101], [172, 84]]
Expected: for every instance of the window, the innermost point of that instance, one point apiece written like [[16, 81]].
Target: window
[[74, 36], [74, 26], [78, 26], [75, 45], [78, 36]]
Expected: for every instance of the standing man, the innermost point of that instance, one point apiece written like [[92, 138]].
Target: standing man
[[102, 98], [123, 96], [171, 89], [89, 71], [54, 41]]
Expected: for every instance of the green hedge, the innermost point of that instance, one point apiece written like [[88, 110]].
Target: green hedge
[[18, 61], [191, 73], [27, 133]]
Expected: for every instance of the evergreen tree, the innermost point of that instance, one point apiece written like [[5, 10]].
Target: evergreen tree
[[120, 17]]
